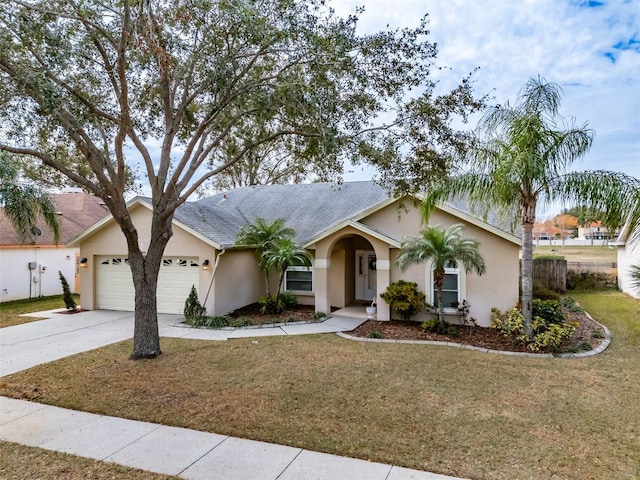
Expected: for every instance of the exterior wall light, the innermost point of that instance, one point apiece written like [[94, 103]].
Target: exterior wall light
[[83, 262], [205, 265]]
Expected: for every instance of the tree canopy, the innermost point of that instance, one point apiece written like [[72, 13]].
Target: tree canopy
[[522, 161], [109, 93]]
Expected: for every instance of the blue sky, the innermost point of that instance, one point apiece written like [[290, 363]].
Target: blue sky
[[591, 48]]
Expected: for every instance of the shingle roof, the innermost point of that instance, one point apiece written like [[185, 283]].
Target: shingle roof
[[310, 209], [76, 212]]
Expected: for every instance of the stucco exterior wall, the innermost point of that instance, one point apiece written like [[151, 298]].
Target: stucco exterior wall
[[17, 281], [110, 240], [497, 288], [627, 257], [237, 282]]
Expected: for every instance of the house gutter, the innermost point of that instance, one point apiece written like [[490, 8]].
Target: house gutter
[[213, 274]]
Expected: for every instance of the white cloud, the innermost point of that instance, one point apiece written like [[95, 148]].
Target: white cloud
[[593, 52]]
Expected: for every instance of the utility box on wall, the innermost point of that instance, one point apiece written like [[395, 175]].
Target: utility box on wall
[[32, 265]]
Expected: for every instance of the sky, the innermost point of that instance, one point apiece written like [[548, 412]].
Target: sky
[[590, 48]]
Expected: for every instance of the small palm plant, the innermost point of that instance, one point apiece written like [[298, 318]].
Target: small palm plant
[[634, 271], [262, 235], [443, 247], [280, 255]]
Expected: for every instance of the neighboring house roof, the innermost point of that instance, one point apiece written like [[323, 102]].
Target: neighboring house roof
[[76, 212]]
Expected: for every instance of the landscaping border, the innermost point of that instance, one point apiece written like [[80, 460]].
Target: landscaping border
[[590, 353]]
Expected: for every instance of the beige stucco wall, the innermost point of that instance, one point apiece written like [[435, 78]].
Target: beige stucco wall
[[237, 282], [110, 240], [497, 288]]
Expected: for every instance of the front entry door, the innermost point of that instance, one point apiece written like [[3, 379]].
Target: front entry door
[[366, 276]]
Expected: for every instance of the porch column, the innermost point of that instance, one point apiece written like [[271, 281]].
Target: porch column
[[383, 268], [321, 284]]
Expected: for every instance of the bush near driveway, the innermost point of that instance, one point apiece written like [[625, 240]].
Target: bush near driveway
[[436, 408]]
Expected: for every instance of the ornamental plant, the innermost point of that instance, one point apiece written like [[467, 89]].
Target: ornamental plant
[[69, 302], [546, 335], [404, 298], [193, 310]]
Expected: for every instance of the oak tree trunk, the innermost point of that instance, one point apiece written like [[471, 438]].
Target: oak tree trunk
[[145, 269]]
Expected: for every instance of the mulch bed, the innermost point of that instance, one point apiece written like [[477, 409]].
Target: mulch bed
[[479, 336], [294, 314]]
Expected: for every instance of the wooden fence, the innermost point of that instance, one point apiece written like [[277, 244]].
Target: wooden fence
[[552, 273]]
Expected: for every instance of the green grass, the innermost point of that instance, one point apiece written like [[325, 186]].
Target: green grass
[[579, 253], [435, 408], [19, 462], [10, 311]]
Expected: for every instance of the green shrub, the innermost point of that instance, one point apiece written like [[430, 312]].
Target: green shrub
[[548, 309], [543, 293], [288, 300], [551, 336], [239, 322], [271, 306], [547, 336], [69, 302], [404, 298], [570, 304], [218, 321], [591, 281], [193, 311], [584, 347], [597, 334], [319, 315], [434, 326], [548, 257], [374, 334]]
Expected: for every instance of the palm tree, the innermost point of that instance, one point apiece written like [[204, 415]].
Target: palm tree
[[24, 203], [634, 271], [280, 255], [262, 235], [443, 247], [523, 163]]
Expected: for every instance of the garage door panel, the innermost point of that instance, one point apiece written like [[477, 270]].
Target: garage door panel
[[115, 289]]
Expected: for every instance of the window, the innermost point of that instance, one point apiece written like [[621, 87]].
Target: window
[[298, 279], [453, 288]]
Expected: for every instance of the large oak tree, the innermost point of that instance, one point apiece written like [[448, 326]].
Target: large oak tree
[[111, 92]]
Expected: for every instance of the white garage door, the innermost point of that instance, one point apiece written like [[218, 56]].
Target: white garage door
[[115, 286]]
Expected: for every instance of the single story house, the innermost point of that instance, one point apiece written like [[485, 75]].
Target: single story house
[[628, 255], [352, 230], [30, 267]]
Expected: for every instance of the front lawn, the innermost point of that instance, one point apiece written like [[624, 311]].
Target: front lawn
[[19, 462], [435, 408], [10, 311]]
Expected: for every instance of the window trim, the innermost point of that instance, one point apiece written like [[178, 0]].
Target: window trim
[[298, 269], [462, 285]]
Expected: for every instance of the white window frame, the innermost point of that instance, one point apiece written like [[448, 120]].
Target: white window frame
[[297, 269], [462, 286]]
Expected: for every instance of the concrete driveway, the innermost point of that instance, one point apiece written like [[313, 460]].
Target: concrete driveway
[[60, 335]]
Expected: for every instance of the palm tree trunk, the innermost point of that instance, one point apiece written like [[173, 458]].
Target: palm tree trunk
[[527, 277], [438, 280]]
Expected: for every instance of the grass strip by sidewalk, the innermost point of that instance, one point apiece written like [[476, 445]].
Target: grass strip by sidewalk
[[434, 408], [10, 311], [19, 462]]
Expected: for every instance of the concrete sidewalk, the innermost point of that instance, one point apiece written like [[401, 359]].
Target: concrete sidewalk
[[158, 448], [180, 452]]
